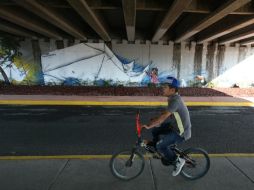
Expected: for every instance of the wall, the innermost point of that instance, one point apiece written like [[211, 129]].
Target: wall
[[184, 61]]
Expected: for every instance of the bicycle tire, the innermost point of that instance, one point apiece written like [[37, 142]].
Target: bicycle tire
[[138, 162], [196, 155]]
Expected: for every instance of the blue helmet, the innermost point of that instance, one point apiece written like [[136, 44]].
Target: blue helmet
[[172, 82]]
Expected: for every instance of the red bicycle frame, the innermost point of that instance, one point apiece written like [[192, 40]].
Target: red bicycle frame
[[138, 124]]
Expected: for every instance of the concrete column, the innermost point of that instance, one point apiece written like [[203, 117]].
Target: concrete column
[[204, 56], [76, 41], [52, 44], [177, 59], [249, 51], [59, 44], [37, 61], [65, 42]]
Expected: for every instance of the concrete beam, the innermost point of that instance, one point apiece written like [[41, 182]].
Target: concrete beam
[[201, 6], [152, 5], [218, 14], [49, 14], [247, 42], [27, 22], [223, 31], [196, 6], [238, 37], [173, 13], [90, 17], [16, 30], [129, 12]]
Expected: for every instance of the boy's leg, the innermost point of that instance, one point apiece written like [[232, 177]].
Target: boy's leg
[[157, 131], [163, 145]]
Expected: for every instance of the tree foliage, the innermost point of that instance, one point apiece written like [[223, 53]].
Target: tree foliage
[[9, 50]]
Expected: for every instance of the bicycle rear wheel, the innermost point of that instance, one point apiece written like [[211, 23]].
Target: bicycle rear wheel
[[126, 165], [197, 163]]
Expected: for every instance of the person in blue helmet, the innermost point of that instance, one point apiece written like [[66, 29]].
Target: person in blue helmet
[[174, 124]]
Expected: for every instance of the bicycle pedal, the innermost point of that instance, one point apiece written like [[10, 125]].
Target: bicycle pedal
[[150, 149], [156, 157]]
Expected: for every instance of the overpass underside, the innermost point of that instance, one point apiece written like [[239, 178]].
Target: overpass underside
[[223, 22], [185, 37]]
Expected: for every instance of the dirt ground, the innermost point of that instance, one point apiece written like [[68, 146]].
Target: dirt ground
[[121, 91]]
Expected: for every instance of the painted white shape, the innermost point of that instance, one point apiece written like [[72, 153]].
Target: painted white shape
[[88, 61], [138, 52], [128, 67]]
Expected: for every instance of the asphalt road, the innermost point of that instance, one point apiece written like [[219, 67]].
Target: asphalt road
[[74, 130]]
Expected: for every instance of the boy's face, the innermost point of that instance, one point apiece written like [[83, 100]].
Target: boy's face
[[167, 91]]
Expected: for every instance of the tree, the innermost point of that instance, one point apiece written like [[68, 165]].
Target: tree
[[9, 49]]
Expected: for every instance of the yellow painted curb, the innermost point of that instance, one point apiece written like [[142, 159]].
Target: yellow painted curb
[[97, 103], [85, 157], [81, 103], [232, 155], [89, 157], [245, 104]]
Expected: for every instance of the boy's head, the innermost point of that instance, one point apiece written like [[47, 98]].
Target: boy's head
[[170, 86]]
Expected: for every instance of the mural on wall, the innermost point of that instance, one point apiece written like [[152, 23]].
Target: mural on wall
[[93, 63], [96, 64], [81, 64]]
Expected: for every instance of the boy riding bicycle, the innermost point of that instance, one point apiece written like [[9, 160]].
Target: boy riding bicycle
[[174, 123]]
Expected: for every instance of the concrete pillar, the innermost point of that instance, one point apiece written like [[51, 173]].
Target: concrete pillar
[[37, 61], [59, 44], [65, 42], [204, 57], [76, 41], [249, 51], [52, 44], [177, 59], [198, 59]]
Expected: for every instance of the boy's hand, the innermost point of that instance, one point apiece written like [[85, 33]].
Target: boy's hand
[[153, 119], [144, 126]]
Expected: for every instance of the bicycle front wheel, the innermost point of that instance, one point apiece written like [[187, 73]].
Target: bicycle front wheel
[[197, 163], [127, 165]]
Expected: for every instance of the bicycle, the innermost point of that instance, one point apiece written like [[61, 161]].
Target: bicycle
[[127, 165]]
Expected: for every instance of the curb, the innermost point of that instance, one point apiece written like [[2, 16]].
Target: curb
[[117, 103]]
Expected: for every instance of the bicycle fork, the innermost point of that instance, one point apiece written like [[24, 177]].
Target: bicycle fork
[[132, 157]]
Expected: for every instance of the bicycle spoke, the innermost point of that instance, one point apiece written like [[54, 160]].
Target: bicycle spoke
[[121, 168], [197, 163]]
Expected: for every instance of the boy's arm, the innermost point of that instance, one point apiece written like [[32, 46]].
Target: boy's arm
[[155, 118], [157, 121]]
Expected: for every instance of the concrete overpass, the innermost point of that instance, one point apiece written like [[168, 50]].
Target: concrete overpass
[[226, 21], [184, 36]]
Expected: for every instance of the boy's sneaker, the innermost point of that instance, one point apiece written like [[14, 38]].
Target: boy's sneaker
[[178, 166]]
